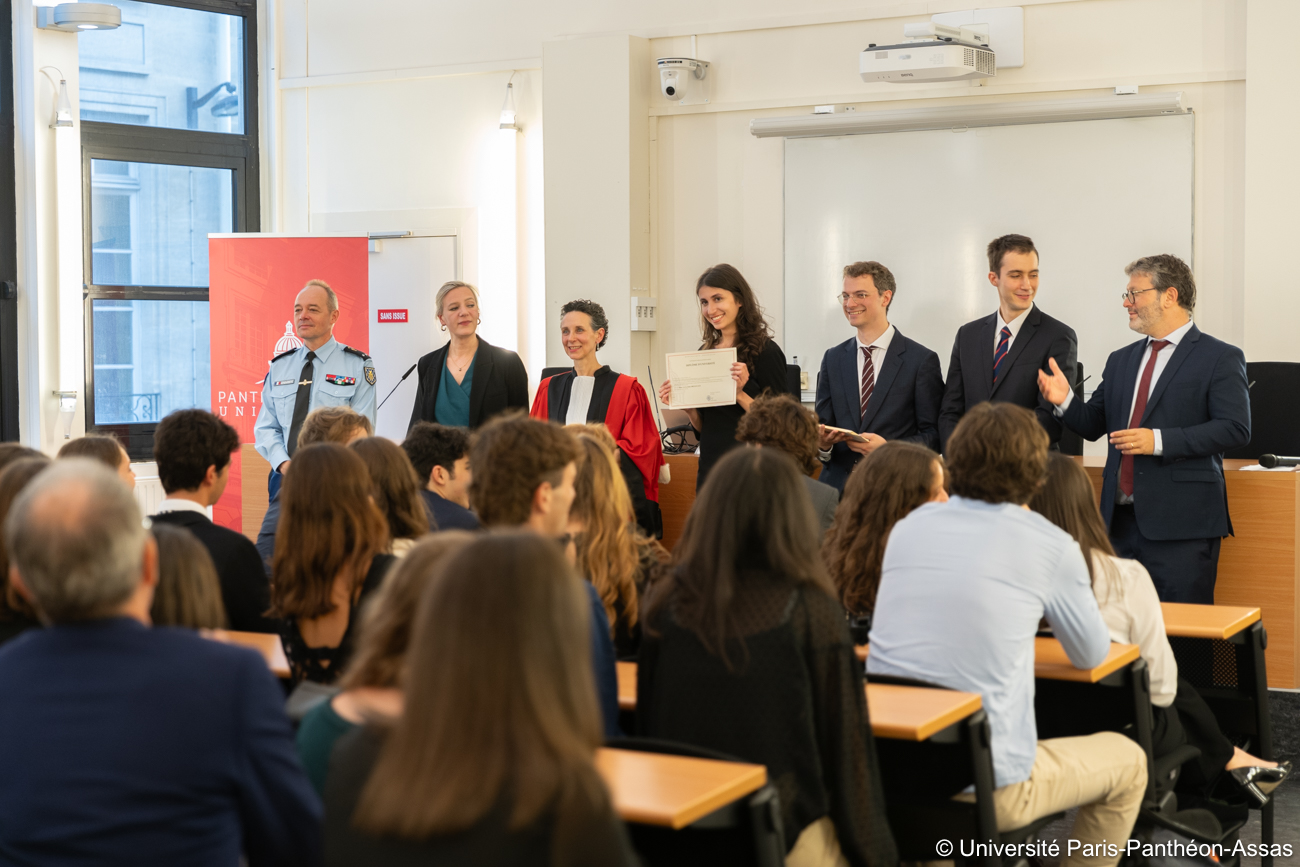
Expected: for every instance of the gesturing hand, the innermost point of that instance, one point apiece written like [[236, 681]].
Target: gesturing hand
[[1055, 388]]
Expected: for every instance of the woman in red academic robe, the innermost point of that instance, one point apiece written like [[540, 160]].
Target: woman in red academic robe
[[591, 392]]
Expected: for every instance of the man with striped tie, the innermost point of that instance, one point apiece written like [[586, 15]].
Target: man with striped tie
[[878, 385], [998, 357]]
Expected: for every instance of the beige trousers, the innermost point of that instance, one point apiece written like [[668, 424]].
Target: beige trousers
[[1104, 774], [817, 846]]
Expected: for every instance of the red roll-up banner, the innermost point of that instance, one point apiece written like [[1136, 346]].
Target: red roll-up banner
[[252, 285]]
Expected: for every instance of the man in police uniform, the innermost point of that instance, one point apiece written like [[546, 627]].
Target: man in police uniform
[[321, 372]]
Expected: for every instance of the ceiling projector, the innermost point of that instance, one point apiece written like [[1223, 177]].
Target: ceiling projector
[[936, 52]]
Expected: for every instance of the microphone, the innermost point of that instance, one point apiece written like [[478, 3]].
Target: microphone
[[399, 382], [1270, 461]]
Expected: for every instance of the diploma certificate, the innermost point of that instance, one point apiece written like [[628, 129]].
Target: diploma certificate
[[701, 378]]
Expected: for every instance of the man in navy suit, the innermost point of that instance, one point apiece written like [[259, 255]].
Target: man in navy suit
[[879, 383], [127, 744], [1173, 403], [998, 357]]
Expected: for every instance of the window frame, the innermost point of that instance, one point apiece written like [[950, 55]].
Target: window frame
[[238, 152]]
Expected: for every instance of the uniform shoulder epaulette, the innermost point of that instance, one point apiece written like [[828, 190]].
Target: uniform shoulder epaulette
[[283, 354], [356, 351]]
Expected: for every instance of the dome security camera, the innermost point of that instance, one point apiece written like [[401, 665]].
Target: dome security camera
[[678, 76]]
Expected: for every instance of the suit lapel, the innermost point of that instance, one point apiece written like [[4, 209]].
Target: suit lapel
[[1181, 351], [1128, 385], [1026, 334], [848, 373], [482, 373], [888, 371], [435, 369], [985, 336]]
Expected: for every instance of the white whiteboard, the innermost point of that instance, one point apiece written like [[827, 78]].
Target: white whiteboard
[[1094, 196]]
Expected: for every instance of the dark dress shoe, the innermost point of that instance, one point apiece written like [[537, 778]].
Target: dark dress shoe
[[1259, 782]]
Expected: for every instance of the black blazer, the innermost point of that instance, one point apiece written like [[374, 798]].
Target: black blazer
[[970, 373], [500, 383], [1201, 406], [904, 404], [244, 586]]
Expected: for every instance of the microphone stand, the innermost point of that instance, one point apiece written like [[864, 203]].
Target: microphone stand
[[399, 383]]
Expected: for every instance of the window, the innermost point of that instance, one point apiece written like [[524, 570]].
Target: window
[[169, 145]]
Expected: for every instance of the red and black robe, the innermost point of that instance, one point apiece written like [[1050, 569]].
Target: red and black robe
[[621, 404]]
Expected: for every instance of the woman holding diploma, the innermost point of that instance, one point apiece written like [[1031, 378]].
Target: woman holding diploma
[[731, 319], [592, 393]]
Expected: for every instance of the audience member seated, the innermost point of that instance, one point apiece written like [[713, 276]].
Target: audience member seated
[[328, 558], [610, 549], [523, 472], [105, 449], [16, 613], [883, 488], [440, 456], [781, 422], [747, 652], [188, 592], [329, 424], [10, 452], [371, 684], [489, 763], [192, 448], [131, 745], [1131, 608], [963, 588], [396, 491]]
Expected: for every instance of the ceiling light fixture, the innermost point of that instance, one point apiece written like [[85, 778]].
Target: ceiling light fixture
[[75, 17]]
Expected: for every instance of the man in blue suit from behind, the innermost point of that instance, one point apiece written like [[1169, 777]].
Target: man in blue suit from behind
[[1172, 403], [878, 384], [128, 744]]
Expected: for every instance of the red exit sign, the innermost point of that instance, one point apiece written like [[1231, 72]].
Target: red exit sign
[[392, 316]]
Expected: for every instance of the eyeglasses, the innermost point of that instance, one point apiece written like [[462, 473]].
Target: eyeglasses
[[1131, 297], [860, 297]]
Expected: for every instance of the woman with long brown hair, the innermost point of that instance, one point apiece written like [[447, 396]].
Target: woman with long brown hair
[[746, 652], [883, 489], [188, 592], [328, 558], [489, 763], [610, 550], [396, 491], [372, 682], [730, 317], [1131, 608]]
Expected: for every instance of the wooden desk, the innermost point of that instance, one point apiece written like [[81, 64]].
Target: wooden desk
[[1185, 620], [678, 496], [673, 791], [1259, 567], [914, 713], [264, 643], [1051, 662], [626, 685]]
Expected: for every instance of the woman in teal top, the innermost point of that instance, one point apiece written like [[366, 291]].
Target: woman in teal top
[[370, 683], [466, 382]]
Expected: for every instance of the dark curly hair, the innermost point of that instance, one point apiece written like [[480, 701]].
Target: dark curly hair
[[509, 458], [781, 422], [998, 454], [594, 311], [752, 331], [186, 443], [430, 445]]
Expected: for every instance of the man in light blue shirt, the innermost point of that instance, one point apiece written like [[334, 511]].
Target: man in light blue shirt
[[963, 587]]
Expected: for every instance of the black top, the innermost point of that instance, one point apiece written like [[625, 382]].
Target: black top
[[14, 624], [795, 701], [446, 515], [244, 586], [500, 383], [601, 842], [325, 664], [766, 373]]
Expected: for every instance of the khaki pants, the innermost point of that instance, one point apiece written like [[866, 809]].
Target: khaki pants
[[817, 846], [1105, 775]]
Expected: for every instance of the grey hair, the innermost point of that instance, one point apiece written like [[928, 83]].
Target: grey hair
[[77, 539], [330, 294], [447, 287], [1166, 271]]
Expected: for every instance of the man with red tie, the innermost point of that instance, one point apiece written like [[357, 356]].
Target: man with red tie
[[1173, 403]]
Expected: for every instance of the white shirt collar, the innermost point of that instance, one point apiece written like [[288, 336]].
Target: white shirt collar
[[881, 343], [1014, 324], [1176, 336], [179, 505]]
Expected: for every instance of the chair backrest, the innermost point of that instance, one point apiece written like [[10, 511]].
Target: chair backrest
[[793, 376]]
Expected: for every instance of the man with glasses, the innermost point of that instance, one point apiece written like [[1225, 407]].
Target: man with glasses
[[878, 384], [1173, 403], [998, 357]]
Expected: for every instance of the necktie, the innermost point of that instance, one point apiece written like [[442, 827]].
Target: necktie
[[1139, 407], [301, 403], [1000, 354], [868, 377]]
